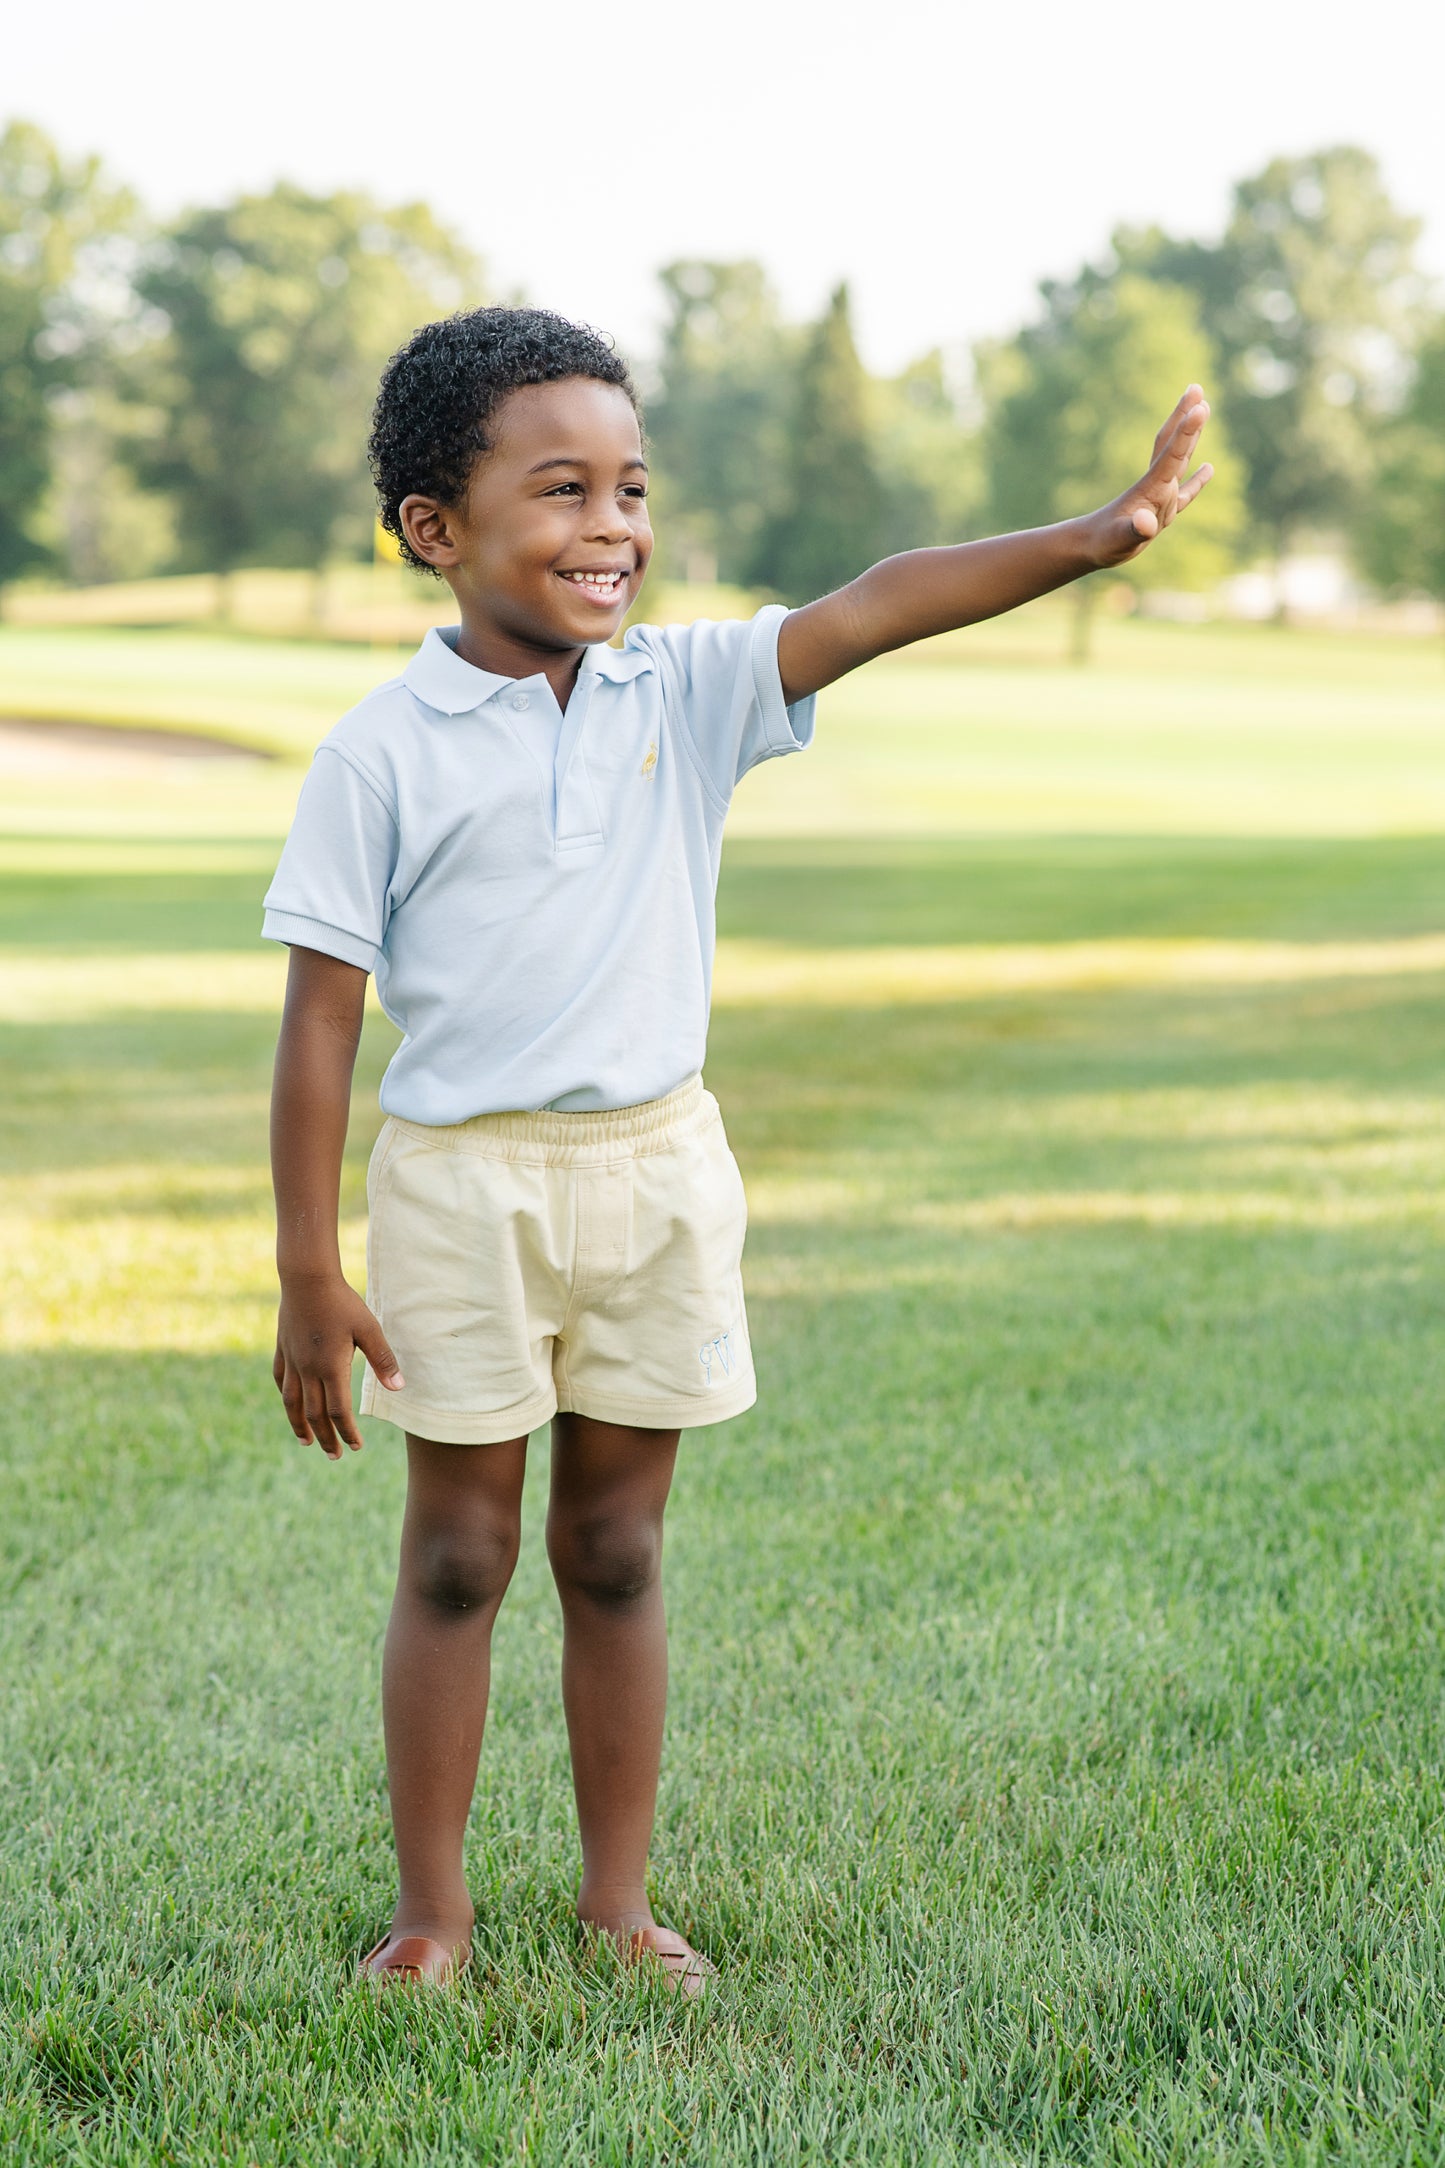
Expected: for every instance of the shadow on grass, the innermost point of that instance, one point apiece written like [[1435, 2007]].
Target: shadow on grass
[[176, 1089], [861, 891], [182, 912], [857, 892]]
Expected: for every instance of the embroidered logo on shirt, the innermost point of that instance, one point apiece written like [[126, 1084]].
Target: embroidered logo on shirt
[[649, 765], [717, 1355]]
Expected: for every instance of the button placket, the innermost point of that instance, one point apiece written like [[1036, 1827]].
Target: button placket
[[579, 821]]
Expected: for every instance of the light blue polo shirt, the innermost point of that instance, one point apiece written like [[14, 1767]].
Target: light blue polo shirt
[[534, 889]]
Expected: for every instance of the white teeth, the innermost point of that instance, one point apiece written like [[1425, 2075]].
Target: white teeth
[[595, 579]]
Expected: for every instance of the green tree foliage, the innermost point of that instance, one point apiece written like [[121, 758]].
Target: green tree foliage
[[1311, 299], [833, 520], [1404, 536], [718, 418], [723, 417], [58, 219], [280, 311], [927, 456], [1073, 403]]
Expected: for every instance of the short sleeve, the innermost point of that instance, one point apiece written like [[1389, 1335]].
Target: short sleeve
[[331, 886], [732, 695]]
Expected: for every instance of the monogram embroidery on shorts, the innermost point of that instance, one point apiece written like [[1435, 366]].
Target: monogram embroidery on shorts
[[717, 1355]]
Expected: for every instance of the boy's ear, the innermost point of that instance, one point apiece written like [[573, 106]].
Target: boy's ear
[[428, 526]]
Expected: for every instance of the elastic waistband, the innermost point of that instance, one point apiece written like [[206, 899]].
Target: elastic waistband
[[570, 1139]]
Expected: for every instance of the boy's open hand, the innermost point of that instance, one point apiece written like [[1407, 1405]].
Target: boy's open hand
[[320, 1324], [1132, 521]]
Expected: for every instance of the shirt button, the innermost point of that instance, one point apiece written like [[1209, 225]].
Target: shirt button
[[520, 700]]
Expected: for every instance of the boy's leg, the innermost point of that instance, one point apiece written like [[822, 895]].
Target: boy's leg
[[604, 1538], [458, 1547]]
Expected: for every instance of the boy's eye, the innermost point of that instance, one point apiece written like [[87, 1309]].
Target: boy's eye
[[574, 489]]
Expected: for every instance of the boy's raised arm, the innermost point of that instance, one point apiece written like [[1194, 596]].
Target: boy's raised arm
[[938, 590], [322, 1318]]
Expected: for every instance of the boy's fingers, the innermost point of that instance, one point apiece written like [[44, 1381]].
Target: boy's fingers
[[1184, 421], [373, 1346], [320, 1421], [1176, 413], [1179, 449], [1145, 522], [338, 1407], [1189, 490], [289, 1386]]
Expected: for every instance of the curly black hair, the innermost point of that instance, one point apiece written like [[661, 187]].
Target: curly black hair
[[438, 394]]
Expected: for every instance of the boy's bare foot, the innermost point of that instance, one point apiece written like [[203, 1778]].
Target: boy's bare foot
[[412, 1958]]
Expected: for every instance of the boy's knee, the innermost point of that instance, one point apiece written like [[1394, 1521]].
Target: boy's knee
[[455, 1571], [611, 1559]]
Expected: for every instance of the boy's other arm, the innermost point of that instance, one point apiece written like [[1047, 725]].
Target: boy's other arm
[[322, 1318], [908, 598]]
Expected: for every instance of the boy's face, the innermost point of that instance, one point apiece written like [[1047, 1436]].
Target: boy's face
[[550, 544]]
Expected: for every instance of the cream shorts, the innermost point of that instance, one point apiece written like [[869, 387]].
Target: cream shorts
[[522, 1264]]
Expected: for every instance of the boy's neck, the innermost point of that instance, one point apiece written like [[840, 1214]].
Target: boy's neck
[[503, 655]]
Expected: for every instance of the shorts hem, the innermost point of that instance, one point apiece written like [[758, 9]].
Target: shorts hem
[[450, 1426], [683, 1411]]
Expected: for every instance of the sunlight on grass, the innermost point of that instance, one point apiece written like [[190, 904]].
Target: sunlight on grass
[[751, 974], [130, 1258], [67, 989], [758, 973]]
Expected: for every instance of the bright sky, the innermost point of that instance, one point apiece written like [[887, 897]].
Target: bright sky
[[941, 157]]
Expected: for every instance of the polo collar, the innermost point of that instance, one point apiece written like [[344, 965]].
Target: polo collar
[[617, 664], [439, 677]]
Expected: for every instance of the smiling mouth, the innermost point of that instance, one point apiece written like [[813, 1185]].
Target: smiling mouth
[[597, 586]]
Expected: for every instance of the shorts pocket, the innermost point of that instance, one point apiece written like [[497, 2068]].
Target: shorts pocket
[[727, 1176], [376, 1167]]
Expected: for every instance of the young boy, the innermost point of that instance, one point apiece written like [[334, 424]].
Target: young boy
[[520, 837]]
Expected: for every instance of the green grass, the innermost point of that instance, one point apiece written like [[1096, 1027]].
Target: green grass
[[1058, 1721]]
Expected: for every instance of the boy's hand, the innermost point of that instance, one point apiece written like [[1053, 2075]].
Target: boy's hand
[[1132, 521], [321, 1322]]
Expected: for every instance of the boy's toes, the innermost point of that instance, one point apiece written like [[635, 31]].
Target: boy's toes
[[685, 1969]]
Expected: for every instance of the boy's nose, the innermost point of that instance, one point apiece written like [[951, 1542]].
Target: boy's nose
[[608, 523]]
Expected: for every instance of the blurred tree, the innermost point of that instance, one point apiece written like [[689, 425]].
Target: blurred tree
[[718, 418], [1072, 405], [99, 521], [279, 312], [1311, 300], [60, 223], [833, 520], [928, 459], [1403, 540]]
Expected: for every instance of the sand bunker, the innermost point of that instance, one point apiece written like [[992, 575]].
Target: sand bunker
[[33, 747]]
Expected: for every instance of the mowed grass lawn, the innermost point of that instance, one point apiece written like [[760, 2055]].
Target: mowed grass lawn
[[1055, 1755]]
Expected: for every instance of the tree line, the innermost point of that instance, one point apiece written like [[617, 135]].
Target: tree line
[[193, 395]]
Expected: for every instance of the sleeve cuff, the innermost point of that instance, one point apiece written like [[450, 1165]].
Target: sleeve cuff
[[786, 729], [314, 933]]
